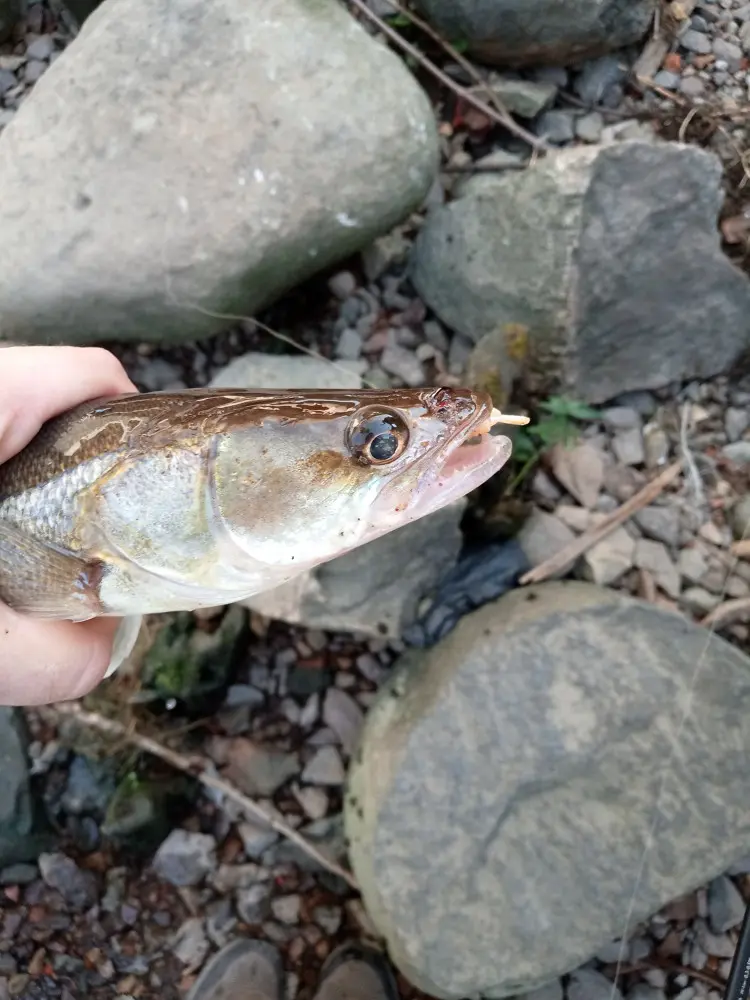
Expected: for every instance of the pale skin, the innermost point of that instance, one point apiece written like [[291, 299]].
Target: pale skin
[[42, 662]]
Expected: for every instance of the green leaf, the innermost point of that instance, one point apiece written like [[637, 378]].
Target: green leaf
[[461, 45], [524, 447], [398, 21], [572, 409]]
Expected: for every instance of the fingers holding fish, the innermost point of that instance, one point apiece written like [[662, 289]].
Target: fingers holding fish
[[42, 662], [37, 383]]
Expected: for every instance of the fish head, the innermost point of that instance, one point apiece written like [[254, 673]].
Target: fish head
[[316, 474]]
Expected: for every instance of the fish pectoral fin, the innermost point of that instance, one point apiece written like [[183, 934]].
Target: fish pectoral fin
[[40, 581]]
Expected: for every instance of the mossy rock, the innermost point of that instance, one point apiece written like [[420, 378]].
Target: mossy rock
[[188, 663]]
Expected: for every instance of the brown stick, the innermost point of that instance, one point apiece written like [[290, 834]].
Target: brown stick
[[501, 118], [589, 538], [198, 768], [741, 549], [727, 612], [674, 969]]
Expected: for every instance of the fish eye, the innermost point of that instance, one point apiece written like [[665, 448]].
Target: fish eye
[[377, 436]]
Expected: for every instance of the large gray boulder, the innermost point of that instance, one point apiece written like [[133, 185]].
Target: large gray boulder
[[192, 157], [509, 780], [597, 271], [521, 32]]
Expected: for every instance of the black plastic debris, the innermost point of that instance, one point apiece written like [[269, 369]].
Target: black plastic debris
[[481, 575]]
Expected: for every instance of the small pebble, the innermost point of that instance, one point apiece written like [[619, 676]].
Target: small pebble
[[589, 127], [557, 127], [696, 41], [692, 86], [41, 48], [342, 285], [324, 768], [726, 907], [286, 909]]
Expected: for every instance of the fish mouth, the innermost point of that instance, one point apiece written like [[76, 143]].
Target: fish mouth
[[474, 455]]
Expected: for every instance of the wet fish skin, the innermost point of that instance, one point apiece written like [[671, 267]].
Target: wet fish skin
[[177, 500]]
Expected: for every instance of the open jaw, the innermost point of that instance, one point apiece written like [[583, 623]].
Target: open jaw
[[476, 456]]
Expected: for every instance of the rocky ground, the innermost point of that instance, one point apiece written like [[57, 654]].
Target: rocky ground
[[117, 877]]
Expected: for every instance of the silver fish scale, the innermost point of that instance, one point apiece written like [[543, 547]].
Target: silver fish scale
[[48, 512]]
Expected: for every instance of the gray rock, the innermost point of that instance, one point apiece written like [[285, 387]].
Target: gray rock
[[698, 600], [324, 768], [670, 81], [185, 858], [588, 251], [285, 371], [402, 363], [526, 98], [726, 907], [254, 903], [730, 52], [256, 838], [628, 446], [659, 523], [349, 344], [10, 14], [77, 887], [654, 557], [588, 984], [18, 813], [556, 126], [692, 565], [550, 991], [190, 944], [377, 589], [736, 422], [529, 32], [531, 712], [696, 41], [286, 908], [622, 418], [605, 562], [737, 452], [589, 127], [40, 48], [600, 80], [692, 86], [343, 715], [543, 536], [257, 769], [264, 155]]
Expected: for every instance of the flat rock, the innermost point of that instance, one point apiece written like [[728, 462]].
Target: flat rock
[[580, 470], [600, 266], [659, 523], [259, 770], [285, 371], [530, 714], [529, 32], [654, 557], [543, 536], [185, 857], [376, 589], [606, 561], [201, 157]]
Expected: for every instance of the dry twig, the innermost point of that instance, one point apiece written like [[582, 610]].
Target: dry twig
[[500, 117], [198, 767], [727, 613], [675, 969], [589, 538]]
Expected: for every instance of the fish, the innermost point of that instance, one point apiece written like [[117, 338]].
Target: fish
[[156, 502]]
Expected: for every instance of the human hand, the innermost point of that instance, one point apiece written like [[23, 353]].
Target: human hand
[[44, 661]]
